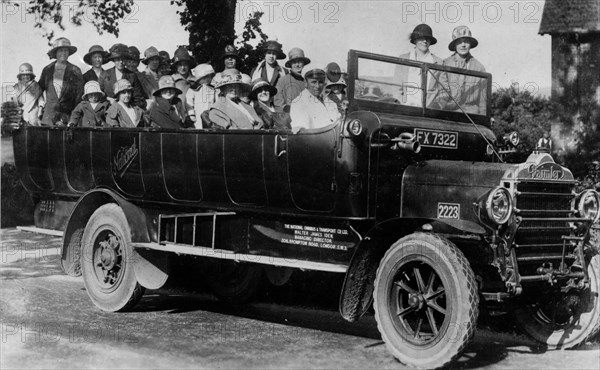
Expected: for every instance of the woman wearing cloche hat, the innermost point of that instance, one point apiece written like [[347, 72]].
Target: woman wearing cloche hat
[[28, 95], [292, 84], [62, 82], [227, 112], [168, 111], [268, 69], [123, 113]]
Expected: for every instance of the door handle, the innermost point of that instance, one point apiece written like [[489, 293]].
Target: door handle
[[280, 145]]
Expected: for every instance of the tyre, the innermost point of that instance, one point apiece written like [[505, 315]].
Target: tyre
[[426, 301], [107, 258], [566, 320], [234, 282]]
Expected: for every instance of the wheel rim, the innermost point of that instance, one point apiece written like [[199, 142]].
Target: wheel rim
[[108, 260], [418, 304]]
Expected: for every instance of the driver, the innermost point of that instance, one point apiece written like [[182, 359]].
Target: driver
[[309, 110]]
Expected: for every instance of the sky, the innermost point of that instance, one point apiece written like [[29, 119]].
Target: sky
[[507, 30]]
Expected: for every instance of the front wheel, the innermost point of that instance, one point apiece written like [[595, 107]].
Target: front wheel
[[425, 299], [565, 320], [107, 260]]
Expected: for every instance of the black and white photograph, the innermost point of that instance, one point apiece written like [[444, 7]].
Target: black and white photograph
[[308, 184]]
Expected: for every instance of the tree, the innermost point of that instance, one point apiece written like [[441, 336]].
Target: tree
[[210, 23]]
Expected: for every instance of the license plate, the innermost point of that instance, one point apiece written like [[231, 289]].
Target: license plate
[[437, 139], [448, 210]]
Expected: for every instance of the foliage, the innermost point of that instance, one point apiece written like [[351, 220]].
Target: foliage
[[104, 15]]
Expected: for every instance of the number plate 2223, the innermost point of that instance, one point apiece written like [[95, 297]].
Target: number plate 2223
[[448, 210], [437, 139]]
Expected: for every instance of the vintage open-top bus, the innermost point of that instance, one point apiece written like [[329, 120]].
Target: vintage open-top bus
[[406, 195]]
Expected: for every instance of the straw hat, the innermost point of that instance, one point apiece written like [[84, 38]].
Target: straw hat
[[423, 31], [121, 86], [230, 76], [260, 84], [273, 45], [150, 53], [459, 34], [118, 51], [61, 42], [166, 82], [93, 50], [202, 70], [295, 54], [25, 69], [92, 87]]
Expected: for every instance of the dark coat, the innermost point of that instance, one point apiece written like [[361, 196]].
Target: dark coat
[[273, 120], [139, 98], [164, 114], [86, 116], [72, 88]]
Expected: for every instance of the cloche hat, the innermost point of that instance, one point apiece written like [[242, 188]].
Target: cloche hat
[[61, 42], [258, 85], [25, 69], [182, 55], [295, 54], [121, 86], [92, 87], [93, 50], [166, 82], [150, 53], [273, 45], [461, 33], [134, 53], [423, 31], [231, 52], [118, 51], [202, 70]]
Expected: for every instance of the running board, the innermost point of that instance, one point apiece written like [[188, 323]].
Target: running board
[[240, 257], [33, 229]]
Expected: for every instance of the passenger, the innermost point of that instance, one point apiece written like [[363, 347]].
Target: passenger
[[268, 69], [119, 54], [335, 88], [292, 84], [133, 62], [202, 97], [29, 95], [149, 77], [229, 60], [96, 57], [469, 92], [308, 110], [410, 77], [168, 111], [164, 69], [262, 96], [91, 111], [123, 113], [62, 82], [182, 66], [227, 112]]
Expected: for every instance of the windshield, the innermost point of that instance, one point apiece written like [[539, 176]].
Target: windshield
[[429, 89]]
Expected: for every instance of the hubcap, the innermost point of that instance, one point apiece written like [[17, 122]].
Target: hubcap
[[108, 259]]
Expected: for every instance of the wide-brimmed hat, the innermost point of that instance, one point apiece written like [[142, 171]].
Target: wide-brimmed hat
[[459, 34], [118, 51], [92, 87], [202, 70], [295, 54], [315, 73], [134, 53], [182, 55], [229, 77], [61, 42], [230, 51], [25, 69], [423, 31], [260, 84], [93, 50], [150, 53], [121, 86], [273, 45], [166, 82]]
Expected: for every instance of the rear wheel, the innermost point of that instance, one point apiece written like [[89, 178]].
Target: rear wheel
[[565, 320], [107, 260], [234, 282], [425, 300]]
